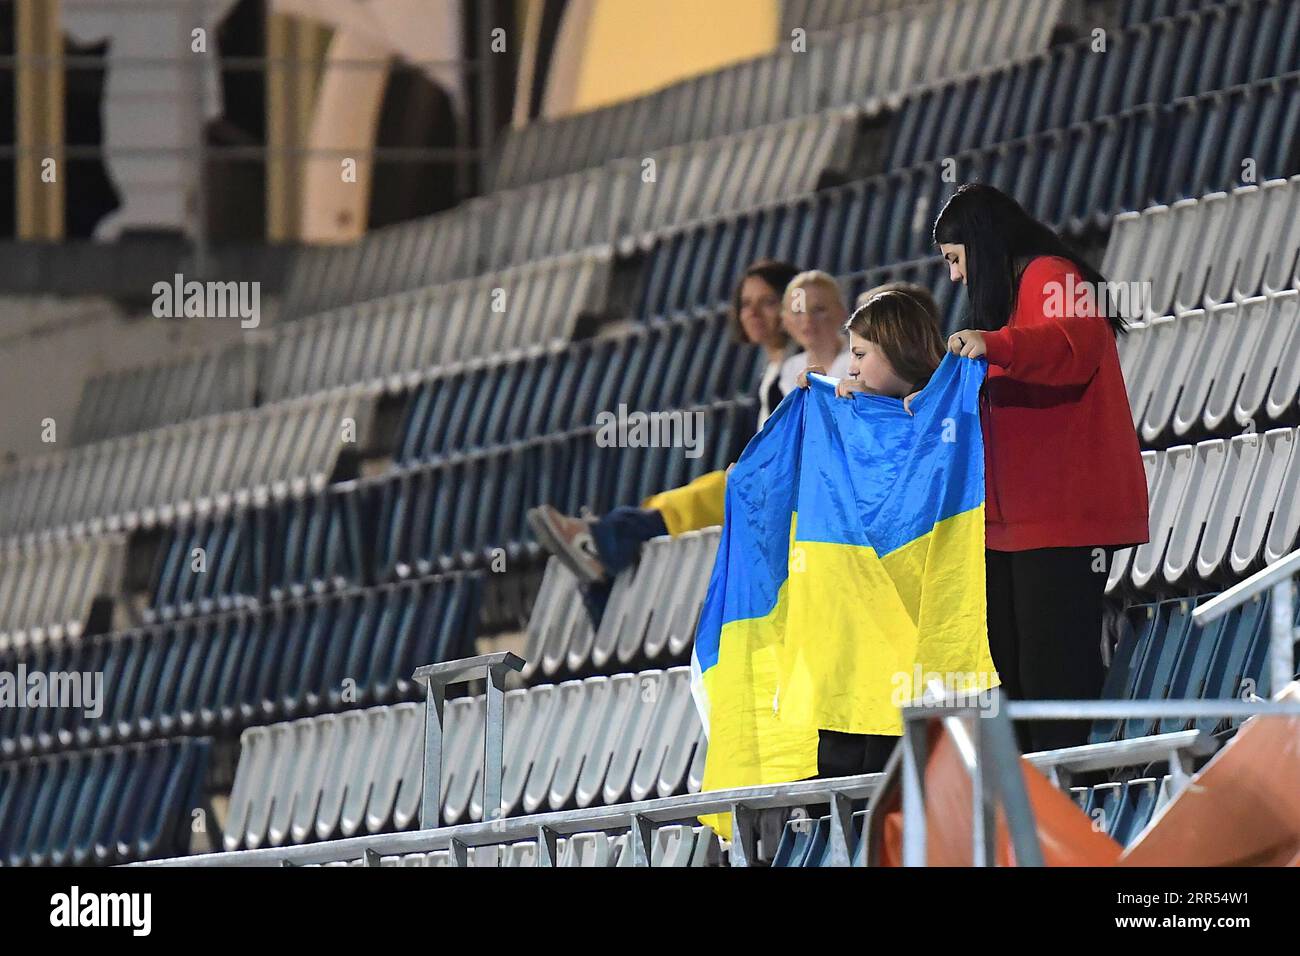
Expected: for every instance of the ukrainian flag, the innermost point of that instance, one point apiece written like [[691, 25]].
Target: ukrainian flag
[[850, 567]]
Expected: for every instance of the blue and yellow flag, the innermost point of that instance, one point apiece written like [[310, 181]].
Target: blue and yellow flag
[[849, 574]]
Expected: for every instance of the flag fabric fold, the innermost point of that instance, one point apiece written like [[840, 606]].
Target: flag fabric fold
[[849, 574]]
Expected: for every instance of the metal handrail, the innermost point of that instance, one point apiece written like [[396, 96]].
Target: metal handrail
[[1277, 572], [1278, 580], [988, 750], [639, 819], [436, 678]]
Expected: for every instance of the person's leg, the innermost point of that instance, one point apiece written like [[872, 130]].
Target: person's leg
[[1003, 647], [1059, 594], [839, 754], [876, 752], [620, 534], [1004, 644], [595, 549]]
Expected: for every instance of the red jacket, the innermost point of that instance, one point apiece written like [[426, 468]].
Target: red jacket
[[1062, 463]]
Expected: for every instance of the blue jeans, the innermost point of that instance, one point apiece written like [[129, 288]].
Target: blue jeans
[[620, 534]]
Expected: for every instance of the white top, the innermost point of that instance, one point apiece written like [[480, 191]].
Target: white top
[[795, 364], [771, 374]]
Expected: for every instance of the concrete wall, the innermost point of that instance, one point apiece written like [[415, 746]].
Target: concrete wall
[[50, 346]]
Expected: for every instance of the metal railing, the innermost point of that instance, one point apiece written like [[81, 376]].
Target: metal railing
[[1279, 578], [987, 745], [986, 742]]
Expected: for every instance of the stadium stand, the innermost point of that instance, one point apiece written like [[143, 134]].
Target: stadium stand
[[472, 351]]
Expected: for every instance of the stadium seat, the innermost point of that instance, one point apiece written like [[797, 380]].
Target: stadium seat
[[1212, 511], [101, 806], [48, 585], [136, 399], [150, 478], [633, 736], [252, 665]]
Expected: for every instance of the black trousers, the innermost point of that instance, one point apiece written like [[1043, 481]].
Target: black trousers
[[838, 755], [1045, 626], [846, 755]]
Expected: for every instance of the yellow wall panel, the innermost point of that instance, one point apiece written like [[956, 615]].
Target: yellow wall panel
[[611, 50]]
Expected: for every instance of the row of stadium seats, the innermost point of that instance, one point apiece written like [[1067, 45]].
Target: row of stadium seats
[[1121, 809], [632, 197], [396, 258], [48, 586], [302, 544], [113, 805], [136, 399], [483, 405], [1217, 371], [466, 511], [144, 479], [1215, 248], [882, 216], [581, 743], [1221, 47], [435, 515], [1220, 510], [649, 618], [873, 59], [391, 341], [1077, 178], [1167, 656], [673, 846], [229, 671]]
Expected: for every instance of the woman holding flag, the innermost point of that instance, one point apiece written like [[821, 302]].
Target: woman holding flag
[[1065, 485]]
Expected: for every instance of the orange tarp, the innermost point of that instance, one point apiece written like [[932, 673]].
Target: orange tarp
[[1241, 809]]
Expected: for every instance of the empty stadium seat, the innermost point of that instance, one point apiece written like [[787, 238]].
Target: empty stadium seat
[[1212, 249], [101, 806], [626, 737], [1212, 509], [136, 399], [1122, 809], [390, 342], [250, 666], [48, 585], [150, 478]]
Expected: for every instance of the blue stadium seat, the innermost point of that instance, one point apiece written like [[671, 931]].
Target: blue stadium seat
[[101, 806]]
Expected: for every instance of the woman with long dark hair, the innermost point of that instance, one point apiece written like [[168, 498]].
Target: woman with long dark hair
[[1064, 482]]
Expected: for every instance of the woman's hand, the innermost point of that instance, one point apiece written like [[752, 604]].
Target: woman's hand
[[802, 380], [847, 387], [968, 343], [907, 402]]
